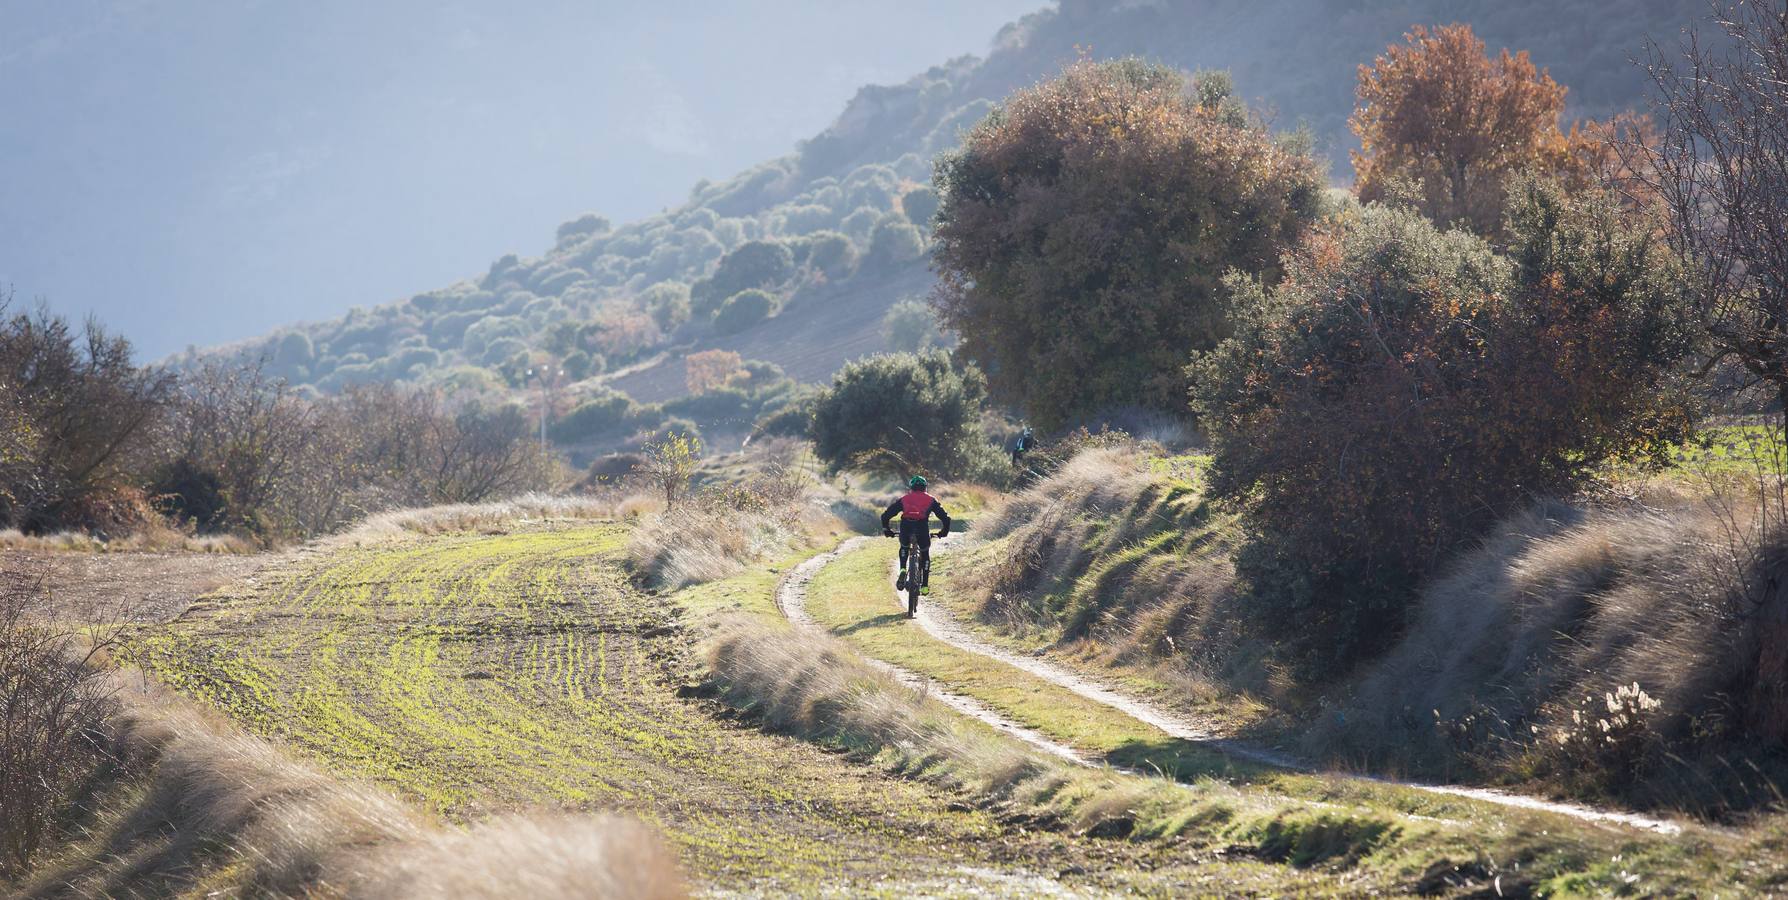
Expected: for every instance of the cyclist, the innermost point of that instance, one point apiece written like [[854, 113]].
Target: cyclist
[[915, 511], [1022, 446]]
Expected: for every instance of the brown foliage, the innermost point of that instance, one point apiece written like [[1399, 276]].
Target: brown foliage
[[710, 369], [1085, 227], [1403, 387], [85, 413], [1455, 126]]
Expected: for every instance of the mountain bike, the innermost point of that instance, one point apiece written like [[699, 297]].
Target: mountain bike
[[915, 578]]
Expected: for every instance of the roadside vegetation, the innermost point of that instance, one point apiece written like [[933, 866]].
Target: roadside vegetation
[[1475, 473], [182, 803]]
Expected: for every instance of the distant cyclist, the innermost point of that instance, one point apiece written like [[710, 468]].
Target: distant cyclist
[[1022, 446], [915, 510]]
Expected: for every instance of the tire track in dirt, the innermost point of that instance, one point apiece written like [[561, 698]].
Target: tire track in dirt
[[940, 624]]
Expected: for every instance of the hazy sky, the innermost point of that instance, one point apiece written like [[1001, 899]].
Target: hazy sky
[[196, 171]]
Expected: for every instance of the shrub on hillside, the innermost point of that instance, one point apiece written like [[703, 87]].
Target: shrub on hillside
[[755, 264], [1403, 386], [861, 223], [583, 226], [792, 419], [1085, 227], [667, 302], [910, 326], [902, 413], [744, 310], [894, 242], [710, 369], [919, 205], [606, 414], [831, 254], [729, 408]]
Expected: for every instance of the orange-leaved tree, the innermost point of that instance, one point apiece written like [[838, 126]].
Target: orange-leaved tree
[[710, 369], [1439, 118]]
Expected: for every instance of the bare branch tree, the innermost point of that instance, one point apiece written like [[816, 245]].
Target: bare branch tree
[[1719, 166]]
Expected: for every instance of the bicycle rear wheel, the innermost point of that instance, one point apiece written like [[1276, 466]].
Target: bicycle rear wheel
[[914, 578]]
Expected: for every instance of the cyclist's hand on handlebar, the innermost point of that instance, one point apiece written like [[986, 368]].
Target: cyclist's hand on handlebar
[[889, 532], [941, 534]]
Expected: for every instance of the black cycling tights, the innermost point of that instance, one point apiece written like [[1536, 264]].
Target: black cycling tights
[[916, 532]]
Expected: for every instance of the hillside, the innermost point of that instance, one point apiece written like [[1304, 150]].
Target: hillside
[[835, 232]]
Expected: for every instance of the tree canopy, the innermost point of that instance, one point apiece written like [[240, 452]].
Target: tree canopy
[[1085, 227]]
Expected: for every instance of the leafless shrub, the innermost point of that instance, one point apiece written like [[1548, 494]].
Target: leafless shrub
[[78, 414], [1718, 162], [53, 705]]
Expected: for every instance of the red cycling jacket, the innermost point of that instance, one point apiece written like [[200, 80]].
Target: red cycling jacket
[[916, 506]]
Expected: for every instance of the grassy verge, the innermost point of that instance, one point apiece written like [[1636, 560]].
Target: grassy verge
[[1376, 833]]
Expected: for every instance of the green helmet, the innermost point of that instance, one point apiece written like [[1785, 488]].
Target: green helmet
[[916, 482]]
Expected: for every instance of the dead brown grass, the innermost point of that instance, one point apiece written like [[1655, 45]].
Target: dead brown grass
[[754, 506], [815, 687], [481, 516], [1106, 558], [697, 543], [1615, 651], [196, 805], [157, 538], [546, 856]]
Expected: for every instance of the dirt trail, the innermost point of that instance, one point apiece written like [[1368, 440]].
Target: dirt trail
[[791, 596], [940, 624]]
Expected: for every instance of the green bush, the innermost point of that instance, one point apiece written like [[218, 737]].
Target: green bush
[[609, 414], [666, 428], [791, 419], [1081, 241], [667, 302], [831, 254], [919, 205], [729, 407], [744, 310], [1404, 387], [579, 365], [894, 242], [901, 413], [860, 223], [582, 226], [755, 264], [909, 326]]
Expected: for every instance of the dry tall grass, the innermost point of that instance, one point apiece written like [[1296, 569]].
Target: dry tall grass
[[206, 808], [816, 687], [701, 542], [1622, 650], [155, 538], [481, 516], [756, 505], [1104, 553]]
